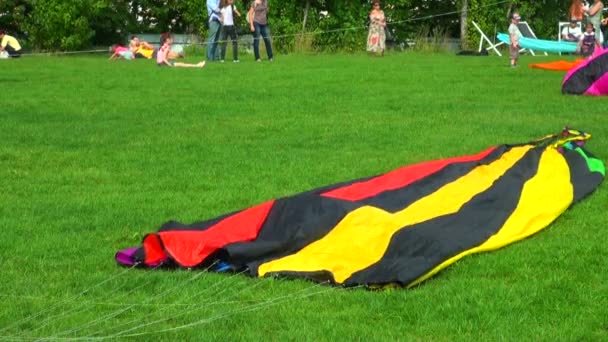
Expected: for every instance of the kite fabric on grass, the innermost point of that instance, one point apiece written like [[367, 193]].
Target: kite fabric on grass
[[589, 77], [557, 65], [397, 228], [540, 44]]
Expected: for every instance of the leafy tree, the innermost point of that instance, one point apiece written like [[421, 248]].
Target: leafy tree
[[57, 24], [327, 25], [13, 14]]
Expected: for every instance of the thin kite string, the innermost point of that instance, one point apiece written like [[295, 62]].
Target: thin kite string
[[196, 295], [67, 300], [209, 289], [313, 33], [143, 325], [54, 299], [249, 308], [120, 311], [202, 305], [84, 307]]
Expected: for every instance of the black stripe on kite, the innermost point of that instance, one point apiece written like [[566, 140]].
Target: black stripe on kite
[[416, 250], [584, 180]]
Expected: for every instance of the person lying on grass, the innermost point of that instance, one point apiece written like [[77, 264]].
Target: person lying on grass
[[119, 52], [140, 48], [162, 57]]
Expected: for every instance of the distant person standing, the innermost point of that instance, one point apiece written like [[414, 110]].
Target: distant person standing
[[514, 36], [376, 38], [10, 45], [228, 29], [213, 9], [576, 11], [594, 13], [258, 22]]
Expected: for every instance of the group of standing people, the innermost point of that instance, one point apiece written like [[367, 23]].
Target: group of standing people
[[589, 16], [590, 13], [222, 25]]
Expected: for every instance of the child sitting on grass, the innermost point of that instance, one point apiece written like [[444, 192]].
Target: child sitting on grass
[[162, 57]]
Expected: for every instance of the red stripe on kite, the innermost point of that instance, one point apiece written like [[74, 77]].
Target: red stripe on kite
[[154, 250], [398, 178], [189, 248]]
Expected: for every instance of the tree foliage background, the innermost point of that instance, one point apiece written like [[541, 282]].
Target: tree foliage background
[[330, 25]]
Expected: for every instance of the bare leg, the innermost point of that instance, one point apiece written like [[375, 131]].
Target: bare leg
[[186, 65]]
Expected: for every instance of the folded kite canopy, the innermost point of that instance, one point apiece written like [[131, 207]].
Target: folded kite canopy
[[401, 227], [589, 77]]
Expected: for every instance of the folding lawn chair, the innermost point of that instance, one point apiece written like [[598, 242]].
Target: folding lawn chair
[[526, 31], [485, 38]]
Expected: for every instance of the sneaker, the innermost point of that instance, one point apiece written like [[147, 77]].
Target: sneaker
[[236, 61], [270, 59], [222, 61], [258, 60]]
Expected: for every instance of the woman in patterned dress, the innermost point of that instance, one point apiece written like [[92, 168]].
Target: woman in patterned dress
[[377, 37]]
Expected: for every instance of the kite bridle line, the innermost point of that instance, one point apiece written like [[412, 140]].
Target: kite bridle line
[[300, 34], [84, 307], [300, 294], [190, 298], [253, 307], [122, 310], [67, 300], [201, 306]]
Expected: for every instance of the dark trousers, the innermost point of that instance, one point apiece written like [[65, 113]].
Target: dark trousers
[[12, 52], [263, 30], [230, 31]]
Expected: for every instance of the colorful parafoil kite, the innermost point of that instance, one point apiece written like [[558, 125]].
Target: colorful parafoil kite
[[589, 77], [399, 228]]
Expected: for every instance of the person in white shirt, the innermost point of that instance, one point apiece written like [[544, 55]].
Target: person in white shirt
[[228, 29], [572, 32]]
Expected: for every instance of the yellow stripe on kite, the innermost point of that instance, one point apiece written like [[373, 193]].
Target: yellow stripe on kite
[[363, 235], [544, 197]]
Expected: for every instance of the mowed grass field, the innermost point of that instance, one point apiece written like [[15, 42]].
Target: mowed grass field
[[95, 154]]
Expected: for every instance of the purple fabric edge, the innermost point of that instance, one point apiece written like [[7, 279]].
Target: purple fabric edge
[[125, 256]]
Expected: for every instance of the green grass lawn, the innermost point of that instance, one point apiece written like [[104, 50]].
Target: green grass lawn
[[95, 154]]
